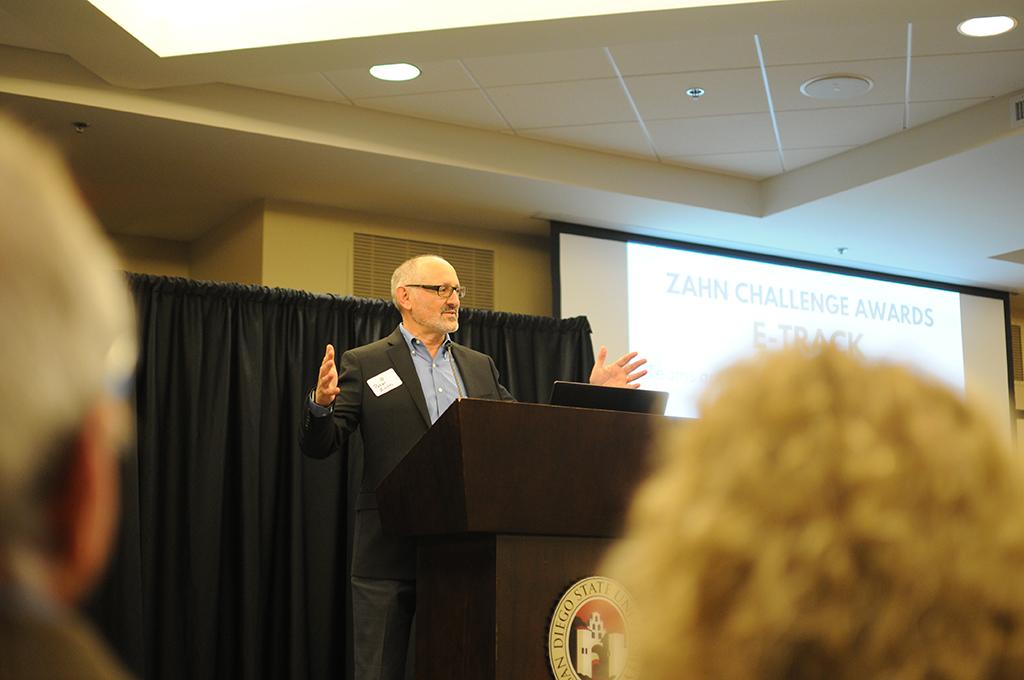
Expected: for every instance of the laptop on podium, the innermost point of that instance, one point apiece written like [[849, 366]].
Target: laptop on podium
[[584, 395]]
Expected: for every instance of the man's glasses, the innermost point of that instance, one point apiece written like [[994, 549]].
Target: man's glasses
[[443, 291]]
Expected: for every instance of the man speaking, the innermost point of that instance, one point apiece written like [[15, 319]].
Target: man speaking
[[393, 390]]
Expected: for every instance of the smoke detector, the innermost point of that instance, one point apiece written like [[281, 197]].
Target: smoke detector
[[837, 86]]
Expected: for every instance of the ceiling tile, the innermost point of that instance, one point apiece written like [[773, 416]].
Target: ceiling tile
[[852, 125], [888, 75], [540, 67], [962, 76], [436, 76], [467, 107], [624, 138], [713, 135], [851, 42], [726, 92], [311, 85], [924, 112], [756, 165], [797, 158], [705, 54], [578, 102]]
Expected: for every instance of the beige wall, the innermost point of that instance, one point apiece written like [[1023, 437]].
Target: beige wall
[[232, 251], [309, 248], [147, 255]]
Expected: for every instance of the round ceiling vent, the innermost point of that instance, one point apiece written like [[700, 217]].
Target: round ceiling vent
[[837, 86]]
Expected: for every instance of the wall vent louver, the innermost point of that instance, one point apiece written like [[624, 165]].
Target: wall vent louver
[[1017, 353], [376, 257], [1017, 112]]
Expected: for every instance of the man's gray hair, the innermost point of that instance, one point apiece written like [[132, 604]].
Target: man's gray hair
[[68, 331], [407, 272]]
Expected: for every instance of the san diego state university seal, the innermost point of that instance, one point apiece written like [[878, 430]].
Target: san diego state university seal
[[589, 633]]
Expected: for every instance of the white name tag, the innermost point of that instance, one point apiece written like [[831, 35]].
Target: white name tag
[[384, 382]]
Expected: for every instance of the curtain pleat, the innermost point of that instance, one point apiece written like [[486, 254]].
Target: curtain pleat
[[232, 556]]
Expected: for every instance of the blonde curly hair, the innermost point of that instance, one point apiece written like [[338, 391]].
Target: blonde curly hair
[[828, 518]]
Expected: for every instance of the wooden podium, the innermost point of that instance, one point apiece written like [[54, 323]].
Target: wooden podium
[[511, 504]]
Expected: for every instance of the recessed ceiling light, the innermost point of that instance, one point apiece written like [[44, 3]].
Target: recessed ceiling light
[[695, 92], [394, 72], [837, 86], [982, 27]]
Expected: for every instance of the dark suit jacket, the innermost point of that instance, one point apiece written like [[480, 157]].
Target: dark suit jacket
[[389, 424]]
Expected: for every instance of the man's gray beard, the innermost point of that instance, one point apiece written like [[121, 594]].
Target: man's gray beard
[[439, 324]]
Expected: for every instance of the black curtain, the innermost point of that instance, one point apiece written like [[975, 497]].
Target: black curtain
[[232, 555]]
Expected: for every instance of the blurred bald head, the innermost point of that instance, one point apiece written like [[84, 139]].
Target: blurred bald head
[[67, 345]]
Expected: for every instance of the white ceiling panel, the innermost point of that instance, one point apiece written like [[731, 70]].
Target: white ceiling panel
[[888, 75], [436, 76], [716, 135], [924, 112], [725, 93], [840, 43], [465, 107], [698, 54], [756, 165], [579, 102], [797, 158], [987, 74], [313, 85], [540, 67], [840, 126], [623, 138]]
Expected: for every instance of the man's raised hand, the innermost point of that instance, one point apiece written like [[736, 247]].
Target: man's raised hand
[[624, 372], [327, 383]]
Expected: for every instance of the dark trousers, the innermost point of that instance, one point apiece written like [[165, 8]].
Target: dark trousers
[[383, 613]]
